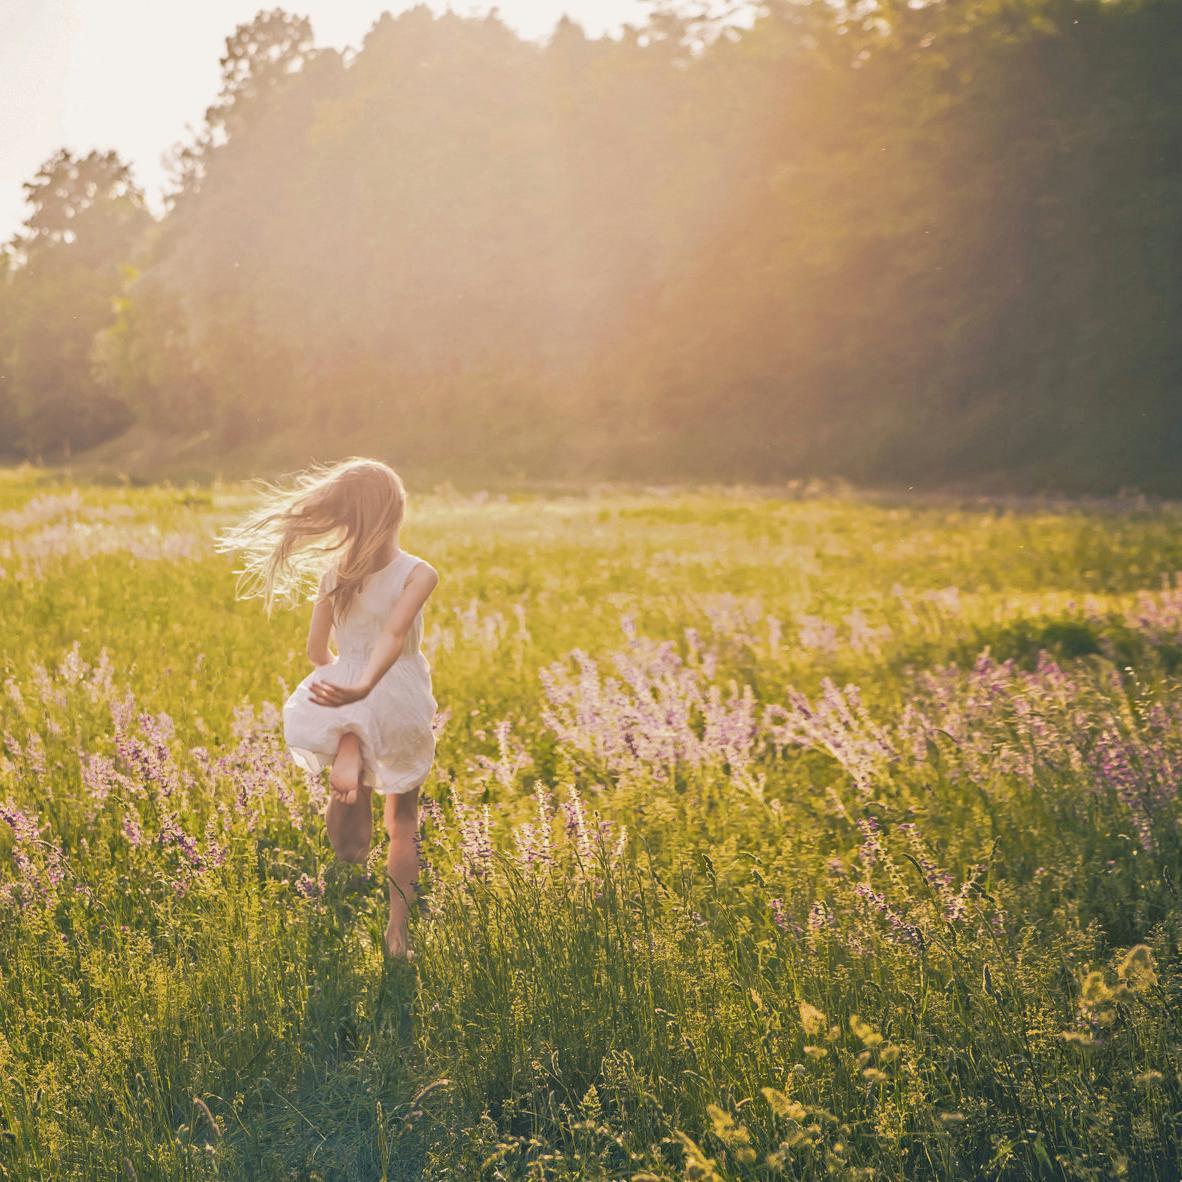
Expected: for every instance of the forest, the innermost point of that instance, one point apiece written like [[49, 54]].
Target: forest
[[907, 245]]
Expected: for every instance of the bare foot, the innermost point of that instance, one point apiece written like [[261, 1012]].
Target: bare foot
[[344, 782]]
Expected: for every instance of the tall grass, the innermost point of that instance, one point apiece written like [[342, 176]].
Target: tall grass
[[768, 839]]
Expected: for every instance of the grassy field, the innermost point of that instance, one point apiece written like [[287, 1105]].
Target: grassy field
[[770, 837]]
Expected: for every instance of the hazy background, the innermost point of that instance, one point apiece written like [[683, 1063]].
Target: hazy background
[[132, 74], [919, 246]]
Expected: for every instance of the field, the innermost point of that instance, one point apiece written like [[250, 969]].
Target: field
[[772, 835]]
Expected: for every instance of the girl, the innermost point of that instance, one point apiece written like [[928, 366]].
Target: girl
[[368, 711]]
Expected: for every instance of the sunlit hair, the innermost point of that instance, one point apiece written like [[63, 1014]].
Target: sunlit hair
[[351, 509]]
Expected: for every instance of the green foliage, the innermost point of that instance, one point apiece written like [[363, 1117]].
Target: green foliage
[[939, 940], [907, 243], [85, 218]]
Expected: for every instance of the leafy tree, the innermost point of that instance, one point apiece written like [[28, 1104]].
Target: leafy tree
[[86, 214], [918, 244]]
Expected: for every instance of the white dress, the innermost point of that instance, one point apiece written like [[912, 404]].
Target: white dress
[[393, 722]]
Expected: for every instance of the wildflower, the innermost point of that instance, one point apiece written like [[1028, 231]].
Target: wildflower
[[863, 637], [621, 843], [812, 1020], [779, 917], [1137, 969], [431, 809], [1159, 616], [1097, 1000], [475, 840], [946, 599], [576, 824], [524, 837], [35, 754], [171, 834], [871, 848], [99, 776], [899, 931], [509, 762], [215, 852], [838, 724], [782, 1106], [131, 828], [775, 633], [698, 1166], [40, 864], [820, 917], [869, 1037], [736, 1137], [1115, 766], [24, 827], [816, 634], [659, 714]]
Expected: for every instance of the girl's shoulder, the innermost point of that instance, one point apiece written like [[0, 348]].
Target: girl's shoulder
[[328, 580], [420, 567]]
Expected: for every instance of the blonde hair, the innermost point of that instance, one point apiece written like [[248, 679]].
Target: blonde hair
[[352, 508]]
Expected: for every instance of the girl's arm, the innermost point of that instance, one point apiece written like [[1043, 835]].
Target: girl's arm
[[320, 629], [388, 647]]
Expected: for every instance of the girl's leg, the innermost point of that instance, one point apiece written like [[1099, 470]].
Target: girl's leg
[[402, 865], [349, 817]]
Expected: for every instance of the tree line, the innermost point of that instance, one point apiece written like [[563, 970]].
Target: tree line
[[901, 244]]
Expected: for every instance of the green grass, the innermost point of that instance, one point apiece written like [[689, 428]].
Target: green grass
[[763, 927]]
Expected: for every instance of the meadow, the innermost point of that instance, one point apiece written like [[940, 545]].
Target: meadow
[[774, 834]]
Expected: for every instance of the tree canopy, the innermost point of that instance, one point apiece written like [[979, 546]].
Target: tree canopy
[[896, 243]]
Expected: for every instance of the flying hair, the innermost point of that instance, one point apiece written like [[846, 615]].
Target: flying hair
[[351, 509]]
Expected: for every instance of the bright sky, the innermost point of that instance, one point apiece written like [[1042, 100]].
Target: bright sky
[[130, 74]]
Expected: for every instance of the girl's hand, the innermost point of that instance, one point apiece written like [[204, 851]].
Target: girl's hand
[[324, 693]]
